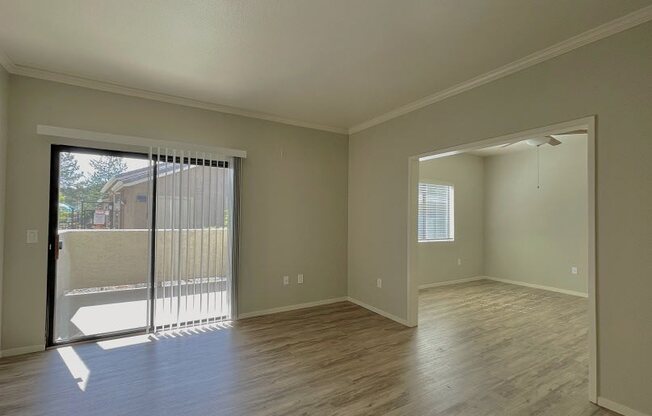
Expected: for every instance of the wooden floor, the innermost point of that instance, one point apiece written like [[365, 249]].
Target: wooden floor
[[481, 348]]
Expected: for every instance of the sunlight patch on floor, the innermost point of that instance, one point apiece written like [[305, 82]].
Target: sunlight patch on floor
[[76, 366], [110, 344]]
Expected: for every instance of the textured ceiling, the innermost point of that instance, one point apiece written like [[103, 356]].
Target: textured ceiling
[[329, 62]]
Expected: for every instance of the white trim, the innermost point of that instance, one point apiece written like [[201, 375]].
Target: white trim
[[412, 242], [592, 265], [617, 407], [379, 311], [610, 28], [535, 286], [291, 307], [22, 350], [451, 282], [412, 211], [512, 282], [145, 143], [156, 96]]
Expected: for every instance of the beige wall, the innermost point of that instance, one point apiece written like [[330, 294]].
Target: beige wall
[[294, 195], [507, 228], [437, 261], [97, 258], [609, 78], [536, 235], [4, 101]]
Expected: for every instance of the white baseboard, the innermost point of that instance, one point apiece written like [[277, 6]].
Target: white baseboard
[[21, 350], [451, 282], [323, 302], [534, 286], [617, 407], [291, 307], [378, 311]]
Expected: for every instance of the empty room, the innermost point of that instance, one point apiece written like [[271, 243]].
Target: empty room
[[362, 207], [502, 265]]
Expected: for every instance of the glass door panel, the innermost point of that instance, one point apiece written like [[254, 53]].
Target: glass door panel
[[101, 260], [193, 241]]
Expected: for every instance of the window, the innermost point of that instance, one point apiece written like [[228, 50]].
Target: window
[[436, 213]]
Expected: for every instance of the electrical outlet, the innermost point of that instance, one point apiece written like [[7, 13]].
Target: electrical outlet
[[379, 283], [459, 262], [574, 270], [32, 236], [286, 280], [300, 278]]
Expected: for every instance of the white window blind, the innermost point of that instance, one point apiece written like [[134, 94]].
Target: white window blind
[[193, 238], [436, 212]]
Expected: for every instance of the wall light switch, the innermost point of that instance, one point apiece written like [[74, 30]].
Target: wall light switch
[[286, 280], [300, 279], [574, 270], [459, 262], [32, 236], [379, 283]]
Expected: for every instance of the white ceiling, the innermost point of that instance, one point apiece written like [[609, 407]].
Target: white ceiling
[[329, 62], [522, 145]]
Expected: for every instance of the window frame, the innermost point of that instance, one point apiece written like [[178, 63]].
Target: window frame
[[451, 216]]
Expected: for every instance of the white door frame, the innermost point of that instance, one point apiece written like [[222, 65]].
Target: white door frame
[[587, 123]]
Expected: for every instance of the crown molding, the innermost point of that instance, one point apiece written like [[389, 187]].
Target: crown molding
[[618, 25], [605, 30], [155, 96], [6, 63]]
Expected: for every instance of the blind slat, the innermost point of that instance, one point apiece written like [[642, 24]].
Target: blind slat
[[436, 215]]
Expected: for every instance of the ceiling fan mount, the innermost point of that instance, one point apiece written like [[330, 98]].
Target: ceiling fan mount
[[550, 139], [543, 140]]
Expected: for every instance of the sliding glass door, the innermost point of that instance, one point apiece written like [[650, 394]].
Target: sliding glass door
[[138, 242], [193, 239]]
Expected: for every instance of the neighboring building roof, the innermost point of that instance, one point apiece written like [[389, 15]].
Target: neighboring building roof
[[133, 177], [137, 175]]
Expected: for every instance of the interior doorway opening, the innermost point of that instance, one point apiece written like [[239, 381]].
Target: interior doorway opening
[[458, 233]]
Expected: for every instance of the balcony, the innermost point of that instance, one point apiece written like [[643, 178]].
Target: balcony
[[103, 280]]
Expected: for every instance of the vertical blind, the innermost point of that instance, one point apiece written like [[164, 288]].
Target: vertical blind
[[436, 212], [192, 238]]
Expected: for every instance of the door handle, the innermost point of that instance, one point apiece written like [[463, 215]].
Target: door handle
[[58, 245]]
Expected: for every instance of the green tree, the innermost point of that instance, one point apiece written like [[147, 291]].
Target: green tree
[[71, 179], [104, 168], [70, 174], [71, 186]]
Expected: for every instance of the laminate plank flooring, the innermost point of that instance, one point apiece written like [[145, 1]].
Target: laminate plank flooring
[[481, 348]]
